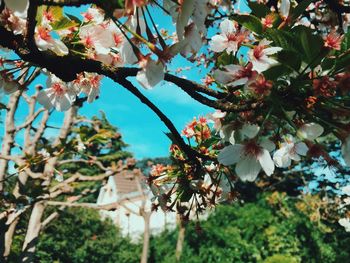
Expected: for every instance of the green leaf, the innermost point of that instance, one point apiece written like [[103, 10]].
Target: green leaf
[[283, 39], [311, 44], [289, 59], [345, 45], [277, 71], [250, 22], [64, 23], [259, 10], [225, 59], [342, 62]]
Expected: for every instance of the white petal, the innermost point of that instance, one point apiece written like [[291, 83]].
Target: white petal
[[151, 75], [19, 7], [94, 92], [281, 158], [218, 43], [267, 144], [250, 130], [227, 133], [227, 27], [44, 99], [230, 154], [248, 169], [223, 76], [186, 10], [260, 66], [301, 148], [272, 50], [266, 162], [63, 103], [59, 48], [238, 82], [265, 42], [310, 131], [233, 68], [284, 9], [127, 54]]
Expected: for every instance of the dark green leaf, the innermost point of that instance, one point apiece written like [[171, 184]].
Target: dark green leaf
[[259, 10], [250, 22]]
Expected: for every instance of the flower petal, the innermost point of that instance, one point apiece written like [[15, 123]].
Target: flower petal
[[310, 131], [248, 169], [230, 154], [301, 148], [266, 162], [151, 75]]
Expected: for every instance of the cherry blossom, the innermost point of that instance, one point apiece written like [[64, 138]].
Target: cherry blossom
[[57, 94], [260, 56], [235, 75], [333, 40], [259, 87], [13, 22], [289, 150], [45, 41], [89, 84], [250, 156], [96, 37], [229, 39], [310, 131], [93, 15], [227, 133], [151, 74], [192, 42], [216, 118], [19, 8], [284, 9]]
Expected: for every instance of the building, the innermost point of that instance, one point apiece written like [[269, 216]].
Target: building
[[129, 190]]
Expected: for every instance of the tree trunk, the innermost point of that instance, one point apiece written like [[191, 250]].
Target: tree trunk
[[146, 237], [180, 241], [33, 231], [9, 237], [8, 139]]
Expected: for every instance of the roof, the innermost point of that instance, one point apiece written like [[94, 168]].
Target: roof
[[126, 183]]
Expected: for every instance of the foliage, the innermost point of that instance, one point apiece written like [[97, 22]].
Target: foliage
[[271, 229], [80, 236]]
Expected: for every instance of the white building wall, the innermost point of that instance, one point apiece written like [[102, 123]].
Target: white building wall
[[130, 223]]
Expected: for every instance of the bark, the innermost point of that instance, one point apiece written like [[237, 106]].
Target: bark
[[32, 234], [9, 237], [146, 237], [180, 241], [9, 134]]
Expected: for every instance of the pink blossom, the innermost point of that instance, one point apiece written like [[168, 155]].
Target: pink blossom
[[45, 41], [151, 74], [235, 75], [260, 56], [57, 95], [229, 39], [89, 84]]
